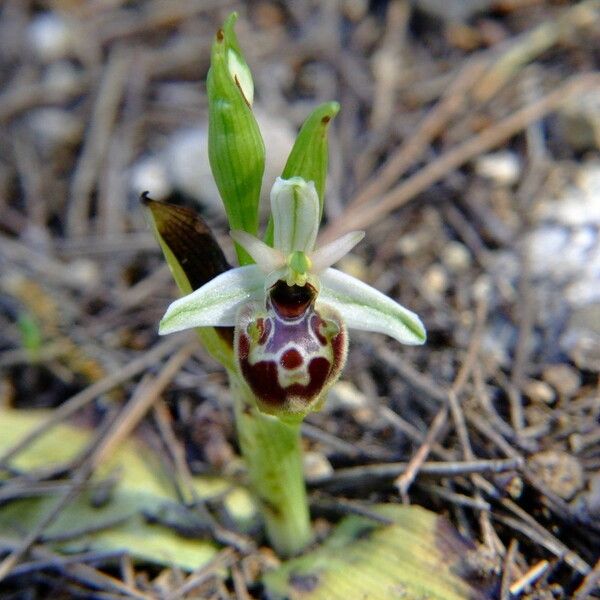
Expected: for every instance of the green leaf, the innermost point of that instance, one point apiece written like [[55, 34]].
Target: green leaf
[[235, 146], [194, 257], [117, 513], [309, 156], [419, 556]]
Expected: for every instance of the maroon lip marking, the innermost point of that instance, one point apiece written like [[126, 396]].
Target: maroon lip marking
[[317, 324], [319, 369], [243, 346], [291, 359]]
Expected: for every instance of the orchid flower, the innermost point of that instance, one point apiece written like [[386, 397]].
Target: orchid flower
[[291, 310]]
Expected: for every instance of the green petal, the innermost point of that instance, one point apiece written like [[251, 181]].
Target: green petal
[[216, 303], [328, 255], [267, 258], [363, 307]]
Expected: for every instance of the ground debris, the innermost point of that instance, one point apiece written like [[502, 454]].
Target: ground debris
[[464, 148]]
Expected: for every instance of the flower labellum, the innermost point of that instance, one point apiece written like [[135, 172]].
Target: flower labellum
[[288, 351], [290, 310]]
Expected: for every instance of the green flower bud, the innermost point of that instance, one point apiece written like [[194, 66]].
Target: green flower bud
[[235, 146]]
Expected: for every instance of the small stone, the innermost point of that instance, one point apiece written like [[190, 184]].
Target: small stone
[[510, 482], [503, 168], [483, 288], [186, 162], [240, 505], [563, 378], [316, 465], [538, 416], [581, 441], [584, 291], [50, 37], [85, 271], [496, 340], [588, 177], [514, 486], [435, 280], [345, 395], [544, 245], [414, 243], [54, 127], [581, 340], [578, 205], [463, 36], [579, 120], [560, 471], [586, 318], [539, 391], [584, 350], [456, 257]]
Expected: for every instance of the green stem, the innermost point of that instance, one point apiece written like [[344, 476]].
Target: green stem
[[273, 455]]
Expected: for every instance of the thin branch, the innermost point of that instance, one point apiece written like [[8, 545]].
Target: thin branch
[[128, 419], [368, 214], [79, 400]]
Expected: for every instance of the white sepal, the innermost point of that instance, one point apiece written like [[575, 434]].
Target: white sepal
[[363, 307], [216, 303], [267, 258], [295, 210], [328, 255]]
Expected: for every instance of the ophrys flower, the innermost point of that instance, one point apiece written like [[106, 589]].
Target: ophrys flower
[[291, 310]]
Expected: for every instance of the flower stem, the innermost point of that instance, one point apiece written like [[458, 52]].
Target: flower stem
[[273, 457]]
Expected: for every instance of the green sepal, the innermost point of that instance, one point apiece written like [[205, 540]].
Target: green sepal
[[309, 156], [194, 258], [236, 149]]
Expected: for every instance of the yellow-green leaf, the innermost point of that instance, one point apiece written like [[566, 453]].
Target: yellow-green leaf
[[141, 487], [420, 556]]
